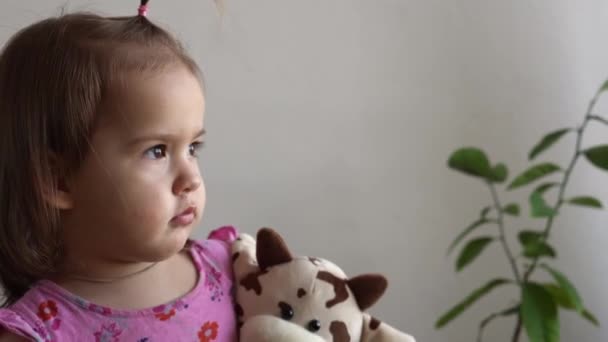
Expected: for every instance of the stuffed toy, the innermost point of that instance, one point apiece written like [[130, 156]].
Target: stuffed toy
[[285, 298]]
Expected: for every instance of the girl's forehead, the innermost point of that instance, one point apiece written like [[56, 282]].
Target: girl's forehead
[[155, 101]]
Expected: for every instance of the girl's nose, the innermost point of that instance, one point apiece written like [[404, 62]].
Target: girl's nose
[[189, 178]]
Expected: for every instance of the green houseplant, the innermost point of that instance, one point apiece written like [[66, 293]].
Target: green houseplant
[[538, 303]]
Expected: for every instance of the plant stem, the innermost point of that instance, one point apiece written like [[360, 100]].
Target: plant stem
[[483, 325], [517, 331], [501, 229], [560, 197], [598, 118], [564, 183], [491, 317]]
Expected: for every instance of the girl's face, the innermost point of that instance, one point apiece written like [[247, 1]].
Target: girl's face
[[139, 192]]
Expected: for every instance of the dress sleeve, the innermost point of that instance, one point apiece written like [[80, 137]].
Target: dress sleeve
[[11, 321], [215, 251]]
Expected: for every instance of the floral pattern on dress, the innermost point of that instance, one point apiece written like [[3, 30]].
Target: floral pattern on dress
[[208, 332], [43, 334], [48, 312], [213, 283], [108, 333], [165, 312], [100, 309]]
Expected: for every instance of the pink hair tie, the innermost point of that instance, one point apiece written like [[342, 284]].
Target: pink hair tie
[[143, 10]]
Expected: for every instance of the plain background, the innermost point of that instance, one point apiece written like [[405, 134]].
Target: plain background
[[331, 121]]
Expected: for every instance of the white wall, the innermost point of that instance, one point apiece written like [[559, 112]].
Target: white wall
[[332, 121]]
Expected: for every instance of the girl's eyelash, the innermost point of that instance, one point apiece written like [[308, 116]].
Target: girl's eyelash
[[196, 147]]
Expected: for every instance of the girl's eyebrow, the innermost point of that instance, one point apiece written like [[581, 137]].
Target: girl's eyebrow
[[162, 137]]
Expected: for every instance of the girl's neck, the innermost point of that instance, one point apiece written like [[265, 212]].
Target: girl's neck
[[101, 280], [172, 278]]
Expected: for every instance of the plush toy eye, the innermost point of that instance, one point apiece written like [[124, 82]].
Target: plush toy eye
[[286, 311], [314, 325]]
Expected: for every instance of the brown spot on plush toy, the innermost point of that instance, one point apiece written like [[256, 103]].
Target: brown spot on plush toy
[[297, 299], [339, 332], [374, 324], [235, 256], [340, 292], [252, 282]]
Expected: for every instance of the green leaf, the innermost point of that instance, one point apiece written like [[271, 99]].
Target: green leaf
[[538, 206], [560, 297], [527, 237], [541, 189], [538, 249], [467, 231], [511, 209], [471, 161], [468, 301], [471, 251], [499, 173], [547, 141], [533, 173], [591, 318], [604, 86], [539, 314], [586, 201], [598, 156], [534, 246], [569, 289], [563, 300]]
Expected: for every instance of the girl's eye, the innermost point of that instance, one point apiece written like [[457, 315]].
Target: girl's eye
[[194, 148], [156, 152]]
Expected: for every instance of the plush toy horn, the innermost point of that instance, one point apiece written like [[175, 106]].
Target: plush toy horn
[[271, 249]]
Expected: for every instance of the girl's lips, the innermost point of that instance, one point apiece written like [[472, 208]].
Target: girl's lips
[[185, 218]]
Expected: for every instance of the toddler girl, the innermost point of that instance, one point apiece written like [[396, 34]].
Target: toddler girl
[[101, 122]]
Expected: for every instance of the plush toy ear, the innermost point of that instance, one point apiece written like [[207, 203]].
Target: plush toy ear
[[367, 288], [271, 249]]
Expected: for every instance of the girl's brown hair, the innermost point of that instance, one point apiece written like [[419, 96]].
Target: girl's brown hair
[[54, 76]]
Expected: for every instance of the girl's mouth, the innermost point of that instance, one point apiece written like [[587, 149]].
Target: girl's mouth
[[185, 218]]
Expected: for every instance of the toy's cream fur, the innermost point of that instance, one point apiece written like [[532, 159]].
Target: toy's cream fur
[[285, 298]]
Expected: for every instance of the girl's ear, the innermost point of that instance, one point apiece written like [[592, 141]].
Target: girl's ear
[[60, 197], [58, 193]]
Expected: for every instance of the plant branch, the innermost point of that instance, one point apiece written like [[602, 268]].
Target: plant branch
[[598, 118], [562, 188], [490, 318], [517, 331], [501, 229], [483, 324], [564, 183]]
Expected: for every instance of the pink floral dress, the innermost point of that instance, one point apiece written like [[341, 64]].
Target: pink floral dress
[[47, 312]]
